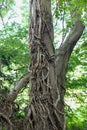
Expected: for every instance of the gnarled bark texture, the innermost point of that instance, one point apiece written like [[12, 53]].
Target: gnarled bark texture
[[46, 76], [46, 109]]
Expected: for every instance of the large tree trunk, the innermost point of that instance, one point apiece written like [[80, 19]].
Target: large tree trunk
[[46, 109], [47, 74]]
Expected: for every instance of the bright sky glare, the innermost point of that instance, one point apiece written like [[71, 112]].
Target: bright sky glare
[[18, 12], [14, 14]]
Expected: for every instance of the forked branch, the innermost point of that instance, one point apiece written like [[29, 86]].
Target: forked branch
[[67, 46]]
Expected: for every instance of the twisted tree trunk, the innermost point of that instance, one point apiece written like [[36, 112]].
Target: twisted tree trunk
[[46, 76], [46, 109]]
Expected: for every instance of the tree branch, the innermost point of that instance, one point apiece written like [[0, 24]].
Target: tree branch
[[23, 81], [67, 46]]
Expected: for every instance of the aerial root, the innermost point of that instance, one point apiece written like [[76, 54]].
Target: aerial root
[[51, 120], [7, 120]]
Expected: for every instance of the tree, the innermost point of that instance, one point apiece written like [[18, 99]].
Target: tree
[[47, 71]]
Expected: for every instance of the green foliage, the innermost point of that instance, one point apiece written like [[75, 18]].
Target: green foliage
[[76, 84], [14, 53], [14, 58], [77, 68], [5, 6], [76, 109], [22, 101], [66, 12], [25, 8]]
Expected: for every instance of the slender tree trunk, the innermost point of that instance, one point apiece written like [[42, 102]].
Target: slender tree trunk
[[46, 109]]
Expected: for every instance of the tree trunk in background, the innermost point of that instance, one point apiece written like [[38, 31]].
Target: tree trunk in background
[[46, 109]]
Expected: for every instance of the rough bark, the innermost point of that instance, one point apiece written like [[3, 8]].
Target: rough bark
[[47, 74], [46, 108], [8, 107]]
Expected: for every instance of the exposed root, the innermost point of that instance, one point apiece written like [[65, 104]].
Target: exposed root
[[7, 120]]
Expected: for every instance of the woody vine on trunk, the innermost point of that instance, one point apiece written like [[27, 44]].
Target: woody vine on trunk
[[47, 70]]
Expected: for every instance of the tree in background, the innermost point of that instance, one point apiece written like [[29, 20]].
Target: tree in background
[[47, 71]]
